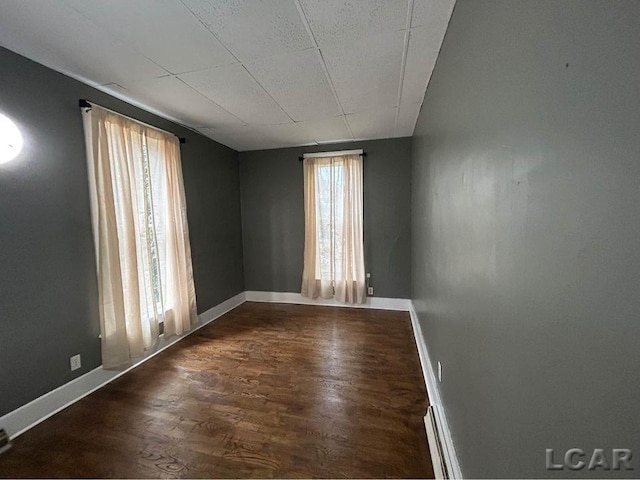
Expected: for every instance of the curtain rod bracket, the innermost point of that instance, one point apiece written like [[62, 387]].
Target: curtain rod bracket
[[82, 103], [182, 139]]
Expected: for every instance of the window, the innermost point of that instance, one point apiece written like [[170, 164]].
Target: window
[[156, 206], [334, 253], [143, 256]]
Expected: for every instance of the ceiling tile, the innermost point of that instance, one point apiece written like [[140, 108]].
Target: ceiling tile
[[433, 14], [241, 138], [252, 143], [131, 46], [407, 116], [221, 137], [232, 88], [421, 58], [290, 134], [366, 73], [373, 124], [252, 29], [335, 21], [298, 83], [165, 31], [172, 97], [57, 36], [327, 130], [261, 137]]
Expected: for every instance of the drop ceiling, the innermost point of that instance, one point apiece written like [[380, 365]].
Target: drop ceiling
[[251, 74]]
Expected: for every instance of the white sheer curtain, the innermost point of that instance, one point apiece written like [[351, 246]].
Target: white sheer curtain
[[140, 231], [333, 249]]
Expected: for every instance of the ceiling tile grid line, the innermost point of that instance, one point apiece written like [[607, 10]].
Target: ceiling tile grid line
[[174, 52], [267, 93], [114, 38], [237, 69], [296, 81], [211, 32], [185, 102], [253, 29], [404, 62], [343, 22], [338, 23], [249, 72], [366, 72], [117, 93], [323, 64], [335, 93], [174, 98], [242, 63], [235, 89], [58, 48], [205, 97], [408, 111], [230, 52], [197, 17], [131, 88]]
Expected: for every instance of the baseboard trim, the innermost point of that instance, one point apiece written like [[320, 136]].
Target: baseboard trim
[[380, 303], [31, 414], [448, 449]]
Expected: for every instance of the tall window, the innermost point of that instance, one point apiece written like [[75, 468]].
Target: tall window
[[334, 252], [143, 256]]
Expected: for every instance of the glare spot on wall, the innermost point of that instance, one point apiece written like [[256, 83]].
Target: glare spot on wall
[[10, 139]]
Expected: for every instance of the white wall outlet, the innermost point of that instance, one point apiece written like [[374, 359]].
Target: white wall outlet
[[439, 372], [368, 275], [75, 362], [369, 290]]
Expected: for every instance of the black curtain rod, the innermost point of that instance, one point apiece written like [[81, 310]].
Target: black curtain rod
[[363, 154], [82, 103]]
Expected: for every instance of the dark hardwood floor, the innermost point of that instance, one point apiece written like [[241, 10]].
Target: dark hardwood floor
[[267, 390]]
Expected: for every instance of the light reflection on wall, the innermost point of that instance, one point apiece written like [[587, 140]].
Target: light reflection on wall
[[10, 139]]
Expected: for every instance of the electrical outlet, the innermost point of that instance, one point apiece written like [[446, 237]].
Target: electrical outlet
[[75, 362], [368, 275], [369, 290], [439, 372]]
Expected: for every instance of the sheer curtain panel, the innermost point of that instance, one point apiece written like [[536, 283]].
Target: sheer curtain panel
[[333, 249], [143, 256]]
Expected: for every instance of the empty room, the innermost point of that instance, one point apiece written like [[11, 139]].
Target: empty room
[[319, 238]]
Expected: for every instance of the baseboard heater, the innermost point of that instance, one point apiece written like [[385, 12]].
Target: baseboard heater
[[435, 445], [5, 441]]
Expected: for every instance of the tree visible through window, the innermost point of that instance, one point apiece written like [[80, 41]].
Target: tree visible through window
[[334, 253], [330, 218], [154, 235]]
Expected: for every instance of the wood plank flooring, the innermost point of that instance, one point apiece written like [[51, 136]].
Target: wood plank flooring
[[267, 391]]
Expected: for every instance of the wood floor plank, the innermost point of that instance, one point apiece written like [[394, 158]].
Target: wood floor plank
[[266, 391]]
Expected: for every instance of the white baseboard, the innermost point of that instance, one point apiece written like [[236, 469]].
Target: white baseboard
[[403, 304], [22, 419], [31, 414], [448, 449]]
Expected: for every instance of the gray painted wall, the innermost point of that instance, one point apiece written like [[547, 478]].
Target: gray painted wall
[[273, 216], [526, 228], [48, 293]]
